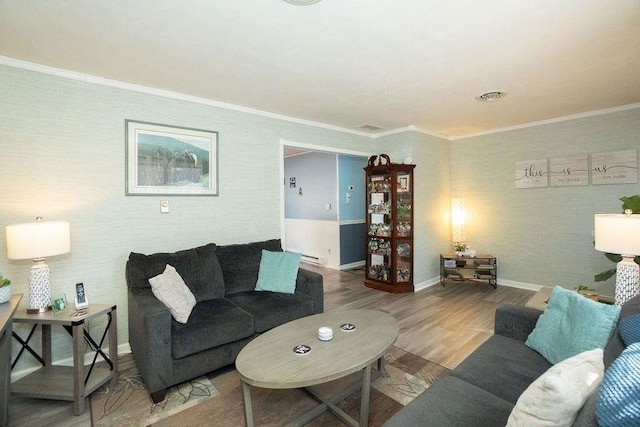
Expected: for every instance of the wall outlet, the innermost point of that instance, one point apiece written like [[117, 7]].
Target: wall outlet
[[348, 198], [164, 206]]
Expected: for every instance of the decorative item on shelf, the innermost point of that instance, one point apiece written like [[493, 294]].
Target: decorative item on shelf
[[459, 248], [5, 289], [404, 229], [587, 292], [620, 234], [37, 241]]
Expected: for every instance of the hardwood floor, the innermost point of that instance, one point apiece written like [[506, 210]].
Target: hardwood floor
[[441, 324]]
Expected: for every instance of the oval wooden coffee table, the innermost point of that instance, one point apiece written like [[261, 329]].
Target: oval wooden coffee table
[[269, 361]]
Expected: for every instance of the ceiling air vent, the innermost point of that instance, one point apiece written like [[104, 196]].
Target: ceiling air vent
[[370, 128], [302, 2], [492, 96]]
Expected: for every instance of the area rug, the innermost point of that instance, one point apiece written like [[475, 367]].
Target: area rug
[[216, 399]]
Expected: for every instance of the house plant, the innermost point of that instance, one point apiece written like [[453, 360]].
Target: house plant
[[5, 289]]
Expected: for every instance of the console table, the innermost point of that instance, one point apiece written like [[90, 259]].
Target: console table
[[7, 310], [66, 382]]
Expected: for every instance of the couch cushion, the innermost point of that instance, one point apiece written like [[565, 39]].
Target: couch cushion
[[169, 288], [452, 402], [212, 323], [240, 264], [271, 309], [278, 272], [572, 324], [198, 267], [618, 402], [555, 398], [502, 366]]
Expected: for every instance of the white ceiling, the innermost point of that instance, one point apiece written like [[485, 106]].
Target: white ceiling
[[387, 63]]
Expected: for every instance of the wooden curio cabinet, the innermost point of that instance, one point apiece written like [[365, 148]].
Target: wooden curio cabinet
[[389, 240]]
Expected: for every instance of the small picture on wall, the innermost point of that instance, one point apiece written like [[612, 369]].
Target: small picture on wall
[[532, 174], [170, 160]]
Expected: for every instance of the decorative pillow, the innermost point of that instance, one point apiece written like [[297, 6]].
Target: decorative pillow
[[278, 272], [618, 400], [169, 288], [556, 397], [629, 328], [572, 324]]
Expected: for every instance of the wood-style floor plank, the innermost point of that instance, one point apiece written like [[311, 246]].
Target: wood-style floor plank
[[441, 324]]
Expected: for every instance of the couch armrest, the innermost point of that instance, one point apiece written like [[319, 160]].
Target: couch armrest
[[515, 321], [311, 283], [150, 337]]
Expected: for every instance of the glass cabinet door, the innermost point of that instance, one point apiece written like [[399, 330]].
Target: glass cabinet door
[[378, 243]]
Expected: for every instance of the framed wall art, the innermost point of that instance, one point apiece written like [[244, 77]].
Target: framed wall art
[[170, 160]]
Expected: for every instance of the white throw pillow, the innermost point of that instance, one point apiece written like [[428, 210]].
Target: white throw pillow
[[556, 397], [169, 288]]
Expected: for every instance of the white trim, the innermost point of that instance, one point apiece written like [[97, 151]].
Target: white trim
[[548, 121], [520, 285], [426, 284], [88, 78], [352, 265], [352, 221]]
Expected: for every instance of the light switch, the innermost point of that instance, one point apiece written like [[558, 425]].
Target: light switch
[[164, 206]]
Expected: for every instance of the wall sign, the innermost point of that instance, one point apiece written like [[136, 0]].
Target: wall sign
[[615, 167], [532, 174], [569, 171]]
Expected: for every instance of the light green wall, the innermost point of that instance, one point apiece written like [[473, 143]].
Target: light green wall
[[541, 236], [62, 156]]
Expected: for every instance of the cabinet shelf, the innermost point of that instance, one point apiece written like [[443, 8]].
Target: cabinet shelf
[[389, 238], [480, 269]]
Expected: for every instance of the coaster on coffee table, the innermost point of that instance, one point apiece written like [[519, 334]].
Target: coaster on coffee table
[[348, 327], [301, 349]]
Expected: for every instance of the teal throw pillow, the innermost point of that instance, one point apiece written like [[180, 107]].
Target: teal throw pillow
[[572, 324], [618, 399], [629, 328], [278, 272]]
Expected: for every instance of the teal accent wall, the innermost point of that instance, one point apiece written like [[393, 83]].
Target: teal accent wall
[[351, 174]]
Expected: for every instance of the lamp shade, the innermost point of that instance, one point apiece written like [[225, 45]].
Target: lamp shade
[[38, 239], [618, 234]]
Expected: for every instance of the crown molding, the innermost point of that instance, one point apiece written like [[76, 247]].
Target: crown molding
[[548, 121], [88, 78]]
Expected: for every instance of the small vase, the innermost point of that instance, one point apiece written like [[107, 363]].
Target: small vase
[[5, 294]]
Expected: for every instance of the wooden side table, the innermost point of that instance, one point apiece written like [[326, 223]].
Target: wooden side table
[[65, 382], [7, 311]]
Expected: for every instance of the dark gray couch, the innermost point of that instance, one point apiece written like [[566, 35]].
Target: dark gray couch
[[484, 388], [228, 312]]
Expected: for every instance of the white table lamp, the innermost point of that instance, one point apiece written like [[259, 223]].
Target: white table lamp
[[620, 234], [37, 241]]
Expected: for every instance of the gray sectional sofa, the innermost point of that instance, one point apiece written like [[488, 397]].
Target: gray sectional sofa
[[484, 388], [227, 315]]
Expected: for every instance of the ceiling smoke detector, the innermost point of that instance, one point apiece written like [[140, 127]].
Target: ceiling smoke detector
[[302, 2], [494, 95]]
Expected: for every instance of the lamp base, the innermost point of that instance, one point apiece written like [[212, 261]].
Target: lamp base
[[39, 288], [627, 280]]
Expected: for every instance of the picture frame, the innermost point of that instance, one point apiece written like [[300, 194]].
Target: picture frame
[[403, 183], [170, 160]]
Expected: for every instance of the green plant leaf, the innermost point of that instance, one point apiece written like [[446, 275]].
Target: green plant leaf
[[605, 275], [631, 202], [613, 257]]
